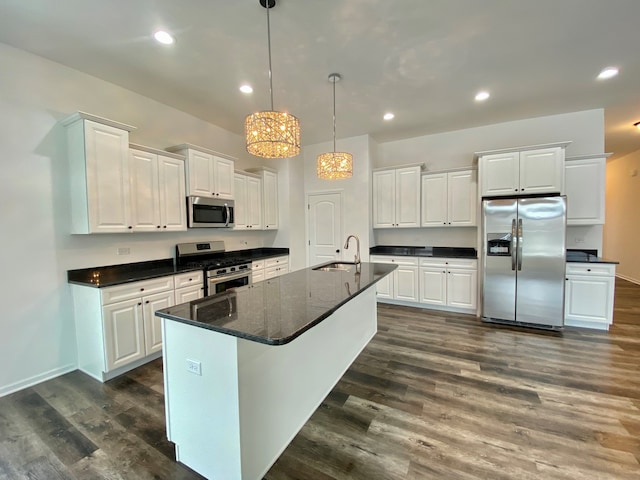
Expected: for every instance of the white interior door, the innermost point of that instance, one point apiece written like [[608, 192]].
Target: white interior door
[[325, 227]]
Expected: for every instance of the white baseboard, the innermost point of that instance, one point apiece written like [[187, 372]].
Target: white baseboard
[[628, 279], [29, 382]]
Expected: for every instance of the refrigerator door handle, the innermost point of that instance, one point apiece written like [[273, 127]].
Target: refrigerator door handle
[[514, 244], [520, 240]]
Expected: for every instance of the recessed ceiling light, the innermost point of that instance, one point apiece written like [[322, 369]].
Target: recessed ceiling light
[[163, 37], [388, 116], [608, 72], [246, 88], [482, 96]]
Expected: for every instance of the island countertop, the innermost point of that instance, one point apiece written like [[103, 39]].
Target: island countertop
[[278, 310]]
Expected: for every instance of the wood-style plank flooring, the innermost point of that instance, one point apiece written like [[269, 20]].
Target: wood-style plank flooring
[[433, 396]]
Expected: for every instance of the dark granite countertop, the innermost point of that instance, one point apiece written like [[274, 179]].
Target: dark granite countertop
[[277, 311], [110, 275], [449, 252], [586, 256]]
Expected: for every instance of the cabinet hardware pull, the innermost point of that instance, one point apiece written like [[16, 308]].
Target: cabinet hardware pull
[[142, 289], [129, 227], [139, 303], [588, 269], [147, 301], [158, 226]]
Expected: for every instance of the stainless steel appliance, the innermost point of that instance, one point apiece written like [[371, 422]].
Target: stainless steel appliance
[[523, 255], [205, 212], [222, 270]]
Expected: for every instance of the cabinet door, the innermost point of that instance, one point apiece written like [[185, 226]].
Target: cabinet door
[[462, 203], [189, 294], [223, 174], [145, 198], [434, 200], [406, 283], [171, 186], [384, 195], [200, 172], [585, 190], [542, 171], [254, 203], [240, 212], [589, 299], [107, 171], [153, 324], [257, 275], [270, 199], [462, 288], [433, 285], [123, 333], [499, 174], [408, 197], [384, 287]]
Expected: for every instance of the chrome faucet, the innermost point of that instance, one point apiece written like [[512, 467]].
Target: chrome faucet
[[357, 257]]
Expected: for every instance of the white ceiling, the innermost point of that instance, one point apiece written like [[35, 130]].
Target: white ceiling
[[422, 59]]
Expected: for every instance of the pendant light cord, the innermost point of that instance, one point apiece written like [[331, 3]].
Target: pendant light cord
[[269, 47], [334, 113]]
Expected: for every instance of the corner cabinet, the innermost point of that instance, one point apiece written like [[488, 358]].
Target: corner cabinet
[[209, 173], [449, 199], [157, 190], [98, 154], [248, 206], [396, 197], [522, 171], [589, 295], [270, 209], [585, 189]]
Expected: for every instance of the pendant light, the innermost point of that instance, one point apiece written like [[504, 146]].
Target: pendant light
[[272, 134], [334, 165]]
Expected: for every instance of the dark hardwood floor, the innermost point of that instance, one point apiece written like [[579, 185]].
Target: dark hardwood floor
[[433, 396]]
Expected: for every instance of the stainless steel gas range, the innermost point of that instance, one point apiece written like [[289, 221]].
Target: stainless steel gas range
[[222, 270]]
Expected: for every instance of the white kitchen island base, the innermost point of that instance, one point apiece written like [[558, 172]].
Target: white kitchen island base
[[233, 420]]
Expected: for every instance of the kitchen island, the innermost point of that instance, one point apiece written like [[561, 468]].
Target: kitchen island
[[245, 369]]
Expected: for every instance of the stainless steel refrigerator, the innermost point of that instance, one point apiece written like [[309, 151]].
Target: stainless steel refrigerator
[[523, 257]]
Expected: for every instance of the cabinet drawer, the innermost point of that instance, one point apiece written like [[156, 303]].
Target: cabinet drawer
[[136, 289], [449, 263], [410, 261], [188, 278], [276, 261], [257, 265], [603, 269]]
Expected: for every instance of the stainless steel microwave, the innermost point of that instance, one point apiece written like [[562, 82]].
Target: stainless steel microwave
[[204, 212]]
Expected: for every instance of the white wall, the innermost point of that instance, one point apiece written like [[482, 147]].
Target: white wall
[[356, 191], [456, 149], [38, 338], [622, 227]]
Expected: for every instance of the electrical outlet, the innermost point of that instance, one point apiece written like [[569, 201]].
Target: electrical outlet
[[194, 367], [579, 239], [124, 250]]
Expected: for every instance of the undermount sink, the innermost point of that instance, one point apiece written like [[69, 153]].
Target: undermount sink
[[335, 267]]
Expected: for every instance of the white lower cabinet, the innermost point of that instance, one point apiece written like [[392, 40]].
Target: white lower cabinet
[[116, 327], [189, 286], [589, 294], [276, 266], [441, 283], [257, 271], [449, 282], [402, 284]]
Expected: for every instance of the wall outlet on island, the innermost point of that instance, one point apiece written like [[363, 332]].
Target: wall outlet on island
[[194, 367], [124, 250], [579, 239]]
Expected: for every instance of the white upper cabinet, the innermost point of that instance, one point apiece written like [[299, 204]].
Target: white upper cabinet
[[248, 208], [396, 197], [209, 174], [449, 199], [157, 190], [522, 171], [98, 153], [585, 189], [270, 210]]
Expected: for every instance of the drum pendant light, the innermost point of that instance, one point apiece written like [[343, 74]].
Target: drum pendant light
[[272, 134], [334, 165]]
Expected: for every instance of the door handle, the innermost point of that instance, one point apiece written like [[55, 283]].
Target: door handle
[[514, 244], [520, 240]]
